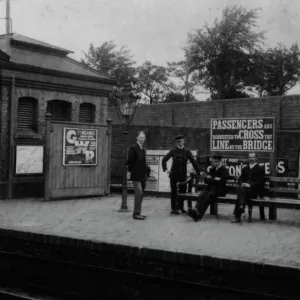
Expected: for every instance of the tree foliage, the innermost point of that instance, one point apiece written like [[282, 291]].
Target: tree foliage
[[152, 82], [185, 78], [118, 63], [276, 70], [221, 53]]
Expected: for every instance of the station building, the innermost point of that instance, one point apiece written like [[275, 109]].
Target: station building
[[38, 78]]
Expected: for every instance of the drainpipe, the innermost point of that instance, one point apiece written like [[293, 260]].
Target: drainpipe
[[12, 113]]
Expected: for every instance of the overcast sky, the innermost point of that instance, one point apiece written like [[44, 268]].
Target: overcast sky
[[153, 30]]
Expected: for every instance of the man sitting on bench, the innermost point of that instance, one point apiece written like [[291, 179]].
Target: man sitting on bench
[[251, 184], [216, 186]]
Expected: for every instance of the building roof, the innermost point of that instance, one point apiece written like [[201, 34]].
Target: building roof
[[19, 38], [28, 51]]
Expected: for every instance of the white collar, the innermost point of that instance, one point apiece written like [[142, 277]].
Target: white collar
[[252, 165], [140, 145], [180, 147]]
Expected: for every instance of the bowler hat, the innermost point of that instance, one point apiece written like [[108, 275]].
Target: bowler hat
[[179, 137]]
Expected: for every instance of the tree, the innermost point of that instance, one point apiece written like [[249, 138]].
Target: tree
[[118, 63], [222, 52], [177, 97], [152, 81], [276, 70], [185, 77]]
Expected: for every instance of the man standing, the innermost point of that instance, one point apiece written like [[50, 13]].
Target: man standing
[[180, 156], [251, 184], [140, 172], [216, 186]]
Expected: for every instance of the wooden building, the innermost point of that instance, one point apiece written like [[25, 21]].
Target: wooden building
[[39, 78]]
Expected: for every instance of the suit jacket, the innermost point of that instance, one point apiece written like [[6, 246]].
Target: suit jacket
[[255, 177], [180, 158], [220, 185], [136, 162]]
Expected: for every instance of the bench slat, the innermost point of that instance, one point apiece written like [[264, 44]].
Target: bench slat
[[285, 179], [283, 190]]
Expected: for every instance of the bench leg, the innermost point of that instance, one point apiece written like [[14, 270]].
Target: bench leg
[[262, 212], [249, 212], [189, 204], [214, 208], [273, 212]]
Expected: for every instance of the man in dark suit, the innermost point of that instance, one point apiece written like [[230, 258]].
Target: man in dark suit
[[140, 172], [251, 184], [178, 172], [216, 186]]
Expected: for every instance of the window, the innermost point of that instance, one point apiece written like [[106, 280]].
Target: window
[[27, 114], [60, 110], [87, 113]]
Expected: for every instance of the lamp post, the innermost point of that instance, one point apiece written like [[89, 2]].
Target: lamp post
[[126, 103]]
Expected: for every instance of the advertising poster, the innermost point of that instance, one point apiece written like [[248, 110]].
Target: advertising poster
[[234, 166], [80, 147], [255, 134], [159, 180]]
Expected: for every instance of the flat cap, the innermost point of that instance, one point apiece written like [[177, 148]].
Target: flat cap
[[218, 157], [179, 137]]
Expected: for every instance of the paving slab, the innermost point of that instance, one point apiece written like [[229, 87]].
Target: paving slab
[[98, 219]]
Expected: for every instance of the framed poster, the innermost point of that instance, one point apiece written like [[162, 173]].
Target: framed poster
[[242, 134], [29, 159], [80, 147]]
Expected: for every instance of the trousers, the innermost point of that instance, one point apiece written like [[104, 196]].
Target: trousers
[[243, 194], [139, 188], [206, 197]]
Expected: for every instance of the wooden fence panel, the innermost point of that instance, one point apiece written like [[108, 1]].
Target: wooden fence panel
[[68, 181]]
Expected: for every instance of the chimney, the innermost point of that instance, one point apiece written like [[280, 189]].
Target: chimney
[[8, 27]]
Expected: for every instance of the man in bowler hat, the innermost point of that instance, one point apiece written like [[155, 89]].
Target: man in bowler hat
[[178, 172], [251, 184], [216, 186], [140, 172]]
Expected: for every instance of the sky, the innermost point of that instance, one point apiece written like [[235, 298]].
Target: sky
[[154, 30]]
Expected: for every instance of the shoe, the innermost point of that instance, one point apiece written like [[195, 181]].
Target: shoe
[[193, 214], [250, 219], [183, 211], [236, 220], [138, 217], [174, 212]]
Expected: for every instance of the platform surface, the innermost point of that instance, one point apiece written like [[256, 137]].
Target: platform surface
[[98, 219]]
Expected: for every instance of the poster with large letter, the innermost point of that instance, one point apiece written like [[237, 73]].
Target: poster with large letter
[[234, 166], [80, 147], [244, 134]]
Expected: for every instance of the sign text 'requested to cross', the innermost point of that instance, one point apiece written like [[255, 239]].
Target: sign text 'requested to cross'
[[244, 134]]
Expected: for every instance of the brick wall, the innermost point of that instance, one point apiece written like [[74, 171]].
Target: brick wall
[[163, 121], [285, 109], [81, 269]]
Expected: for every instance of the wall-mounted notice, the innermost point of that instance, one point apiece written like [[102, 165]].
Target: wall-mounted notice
[[244, 134], [29, 159], [80, 147]]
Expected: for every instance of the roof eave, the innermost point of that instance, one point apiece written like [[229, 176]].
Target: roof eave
[[36, 46]]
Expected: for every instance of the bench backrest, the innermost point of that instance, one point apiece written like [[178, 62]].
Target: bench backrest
[[275, 186]]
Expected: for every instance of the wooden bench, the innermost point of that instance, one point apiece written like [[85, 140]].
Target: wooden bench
[[276, 189]]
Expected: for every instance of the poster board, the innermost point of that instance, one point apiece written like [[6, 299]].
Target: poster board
[[29, 159], [159, 180], [79, 147], [242, 134]]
